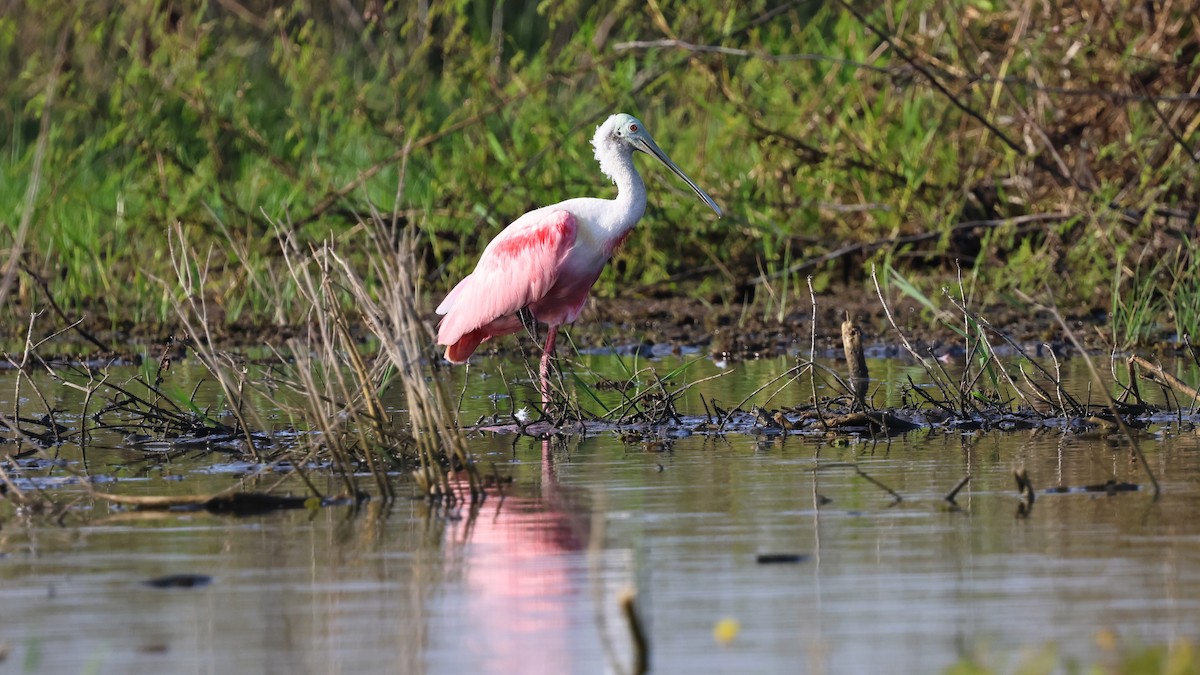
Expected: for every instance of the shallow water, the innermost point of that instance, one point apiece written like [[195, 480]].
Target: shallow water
[[529, 582]]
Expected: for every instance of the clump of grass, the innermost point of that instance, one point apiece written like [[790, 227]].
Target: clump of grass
[[986, 383], [340, 388], [1182, 292], [1136, 304], [393, 316]]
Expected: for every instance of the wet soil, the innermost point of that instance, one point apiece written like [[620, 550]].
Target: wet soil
[[646, 325], [742, 331]]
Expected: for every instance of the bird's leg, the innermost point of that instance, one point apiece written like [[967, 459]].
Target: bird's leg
[[547, 353]]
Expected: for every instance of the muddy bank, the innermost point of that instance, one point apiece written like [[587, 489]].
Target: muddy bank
[[741, 331], [650, 326]]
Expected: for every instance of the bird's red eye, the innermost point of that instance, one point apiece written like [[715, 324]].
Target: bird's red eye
[[633, 127]]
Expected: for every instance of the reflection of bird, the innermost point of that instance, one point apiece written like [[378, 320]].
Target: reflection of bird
[[547, 260]]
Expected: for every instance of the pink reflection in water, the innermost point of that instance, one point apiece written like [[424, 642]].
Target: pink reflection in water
[[526, 601]]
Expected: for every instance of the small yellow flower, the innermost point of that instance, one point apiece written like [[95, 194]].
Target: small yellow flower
[[726, 630]]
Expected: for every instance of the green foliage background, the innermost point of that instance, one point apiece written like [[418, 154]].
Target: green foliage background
[[1036, 144]]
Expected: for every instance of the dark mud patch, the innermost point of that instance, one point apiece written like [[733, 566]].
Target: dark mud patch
[[648, 326], [654, 327]]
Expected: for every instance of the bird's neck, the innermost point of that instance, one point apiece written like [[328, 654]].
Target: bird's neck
[[631, 191]]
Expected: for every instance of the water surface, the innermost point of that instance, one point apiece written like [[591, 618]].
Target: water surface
[[528, 581]]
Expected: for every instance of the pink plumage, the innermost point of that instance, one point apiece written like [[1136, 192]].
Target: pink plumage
[[548, 259], [520, 267]]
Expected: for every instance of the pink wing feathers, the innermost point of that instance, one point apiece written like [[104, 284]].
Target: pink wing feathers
[[518, 267]]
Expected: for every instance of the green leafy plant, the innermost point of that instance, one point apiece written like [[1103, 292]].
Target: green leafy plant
[[915, 135]]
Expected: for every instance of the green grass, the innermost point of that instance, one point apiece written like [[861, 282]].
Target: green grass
[[815, 135]]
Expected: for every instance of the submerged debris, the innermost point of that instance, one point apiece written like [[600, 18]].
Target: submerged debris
[[1110, 487], [179, 581], [233, 503], [780, 558]]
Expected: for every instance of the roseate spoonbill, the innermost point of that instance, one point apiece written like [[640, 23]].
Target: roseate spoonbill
[[547, 260]]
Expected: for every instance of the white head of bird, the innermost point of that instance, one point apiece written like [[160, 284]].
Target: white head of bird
[[547, 260], [615, 141]]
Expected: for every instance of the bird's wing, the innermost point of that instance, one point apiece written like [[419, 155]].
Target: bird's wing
[[518, 267]]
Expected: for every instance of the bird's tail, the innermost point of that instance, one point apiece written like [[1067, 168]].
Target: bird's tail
[[461, 350]]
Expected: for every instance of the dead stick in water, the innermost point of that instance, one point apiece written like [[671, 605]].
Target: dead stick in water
[[641, 649], [954, 491], [856, 362], [237, 503], [154, 501], [1025, 487], [1157, 374], [812, 354], [1132, 388], [895, 495]]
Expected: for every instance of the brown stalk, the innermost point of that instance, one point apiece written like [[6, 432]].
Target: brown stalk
[[812, 354], [1155, 373], [856, 362], [641, 647]]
